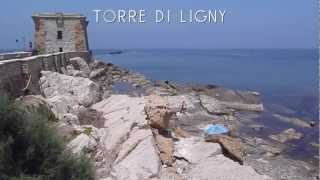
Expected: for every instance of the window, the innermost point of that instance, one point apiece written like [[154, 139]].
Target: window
[[60, 49], [59, 35]]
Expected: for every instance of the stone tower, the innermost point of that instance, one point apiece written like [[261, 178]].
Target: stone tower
[[60, 32]]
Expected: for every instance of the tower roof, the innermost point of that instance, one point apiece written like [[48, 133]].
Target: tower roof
[[56, 15]]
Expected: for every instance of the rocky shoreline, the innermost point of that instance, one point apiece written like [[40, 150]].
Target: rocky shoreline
[[135, 128]]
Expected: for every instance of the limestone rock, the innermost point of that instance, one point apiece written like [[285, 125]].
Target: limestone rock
[[175, 102], [292, 120], [70, 119], [82, 143], [142, 163], [96, 73], [287, 135], [195, 150], [159, 118], [83, 90], [166, 149], [220, 167], [80, 64], [233, 99], [136, 136], [216, 106], [71, 71], [61, 105], [180, 133], [121, 114], [169, 173], [231, 146], [212, 105], [157, 111]]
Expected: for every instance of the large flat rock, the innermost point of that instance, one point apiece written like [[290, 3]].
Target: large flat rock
[[195, 150], [220, 167], [141, 163], [121, 113], [128, 139]]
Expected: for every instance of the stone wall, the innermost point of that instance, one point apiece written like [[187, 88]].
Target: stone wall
[[16, 73], [74, 37], [40, 36], [14, 55]]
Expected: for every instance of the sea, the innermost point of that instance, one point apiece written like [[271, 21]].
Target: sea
[[287, 80]]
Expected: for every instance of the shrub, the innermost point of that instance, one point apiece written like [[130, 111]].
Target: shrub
[[31, 149]]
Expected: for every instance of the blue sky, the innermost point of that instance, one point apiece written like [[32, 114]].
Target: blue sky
[[248, 24]]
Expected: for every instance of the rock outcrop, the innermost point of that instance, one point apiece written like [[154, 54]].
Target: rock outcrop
[[158, 113], [201, 160], [81, 65], [145, 137], [82, 144], [195, 150], [128, 140], [295, 121], [287, 135], [232, 147], [220, 167], [80, 89]]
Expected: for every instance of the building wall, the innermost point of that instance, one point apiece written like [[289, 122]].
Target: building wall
[[15, 73], [74, 36], [40, 35]]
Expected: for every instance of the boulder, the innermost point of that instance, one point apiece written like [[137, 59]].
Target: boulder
[[157, 111], [71, 71], [61, 105], [194, 150], [222, 168], [232, 147], [83, 90], [159, 118], [97, 73], [82, 144], [287, 135], [80, 64]]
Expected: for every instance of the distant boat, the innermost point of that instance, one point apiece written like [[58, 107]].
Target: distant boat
[[116, 52]]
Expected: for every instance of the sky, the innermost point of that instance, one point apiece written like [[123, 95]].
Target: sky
[[247, 24]]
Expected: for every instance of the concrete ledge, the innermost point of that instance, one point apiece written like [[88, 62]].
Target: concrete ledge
[[14, 55]]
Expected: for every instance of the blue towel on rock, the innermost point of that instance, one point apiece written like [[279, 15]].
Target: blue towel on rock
[[216, 129]]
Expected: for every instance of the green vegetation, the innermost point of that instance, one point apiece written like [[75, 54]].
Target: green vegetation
[[31, 149], [88, 131]]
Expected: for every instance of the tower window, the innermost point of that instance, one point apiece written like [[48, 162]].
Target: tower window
[[59, 34], [60, 49]]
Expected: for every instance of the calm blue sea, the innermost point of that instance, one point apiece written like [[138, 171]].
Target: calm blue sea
[[286, 78]]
